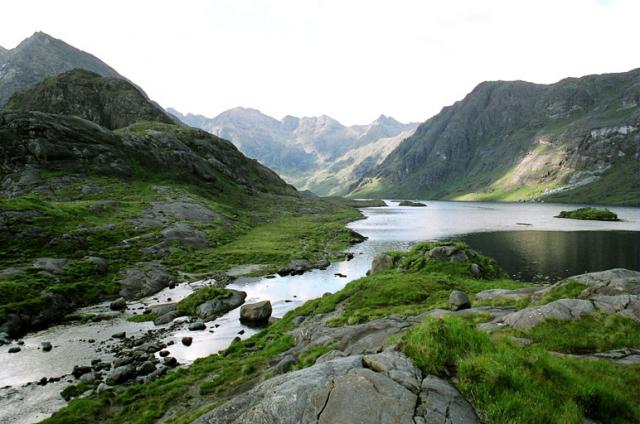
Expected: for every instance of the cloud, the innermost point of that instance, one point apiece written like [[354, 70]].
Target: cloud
[[349, 59]]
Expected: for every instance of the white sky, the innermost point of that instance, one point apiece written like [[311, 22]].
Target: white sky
[[350, 59]]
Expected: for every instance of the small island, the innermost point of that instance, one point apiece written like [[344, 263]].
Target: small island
[[594, 214], [410, 203]]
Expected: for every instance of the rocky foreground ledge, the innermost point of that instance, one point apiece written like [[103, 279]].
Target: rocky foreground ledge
[[434, 335]]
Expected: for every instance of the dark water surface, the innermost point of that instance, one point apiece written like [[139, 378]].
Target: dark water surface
[[535, 255]]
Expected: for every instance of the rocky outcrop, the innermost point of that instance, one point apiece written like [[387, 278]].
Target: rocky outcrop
[[610, 282], [381, 388], [144, 280]]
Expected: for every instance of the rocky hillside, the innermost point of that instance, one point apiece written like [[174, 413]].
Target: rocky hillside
[[576, 140], [41, 56], [306, 151], [89, 213], [108, 101]]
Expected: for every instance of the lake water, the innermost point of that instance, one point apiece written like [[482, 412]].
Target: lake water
[[525, 239]]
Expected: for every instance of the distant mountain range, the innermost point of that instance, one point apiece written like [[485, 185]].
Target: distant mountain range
[[41, 56], [313, 153], [577, 140]]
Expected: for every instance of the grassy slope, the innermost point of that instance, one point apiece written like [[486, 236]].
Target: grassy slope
[[259, 228], [506, 382]]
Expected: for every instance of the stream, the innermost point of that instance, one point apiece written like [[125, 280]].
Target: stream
[[525, 239]]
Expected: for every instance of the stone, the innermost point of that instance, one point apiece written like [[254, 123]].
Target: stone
[[256, 313], [295, 267], [342, 390], [52, 265], [286, 363], [459, 300], [118, 305], [14, 349], [517, 294], [46, 346], [474, 269], [298, 320], [381, 263], [121, 374], [101, 264], [88, 378], [144, 280], [214, 308], [79, 371], [185, 234], [197, 326], [440, 402], [170, 361], [145, 368], [187, 341], [397, 367], [164, 353], [563, 309], [103, 387], [610, 282], [120, 335]]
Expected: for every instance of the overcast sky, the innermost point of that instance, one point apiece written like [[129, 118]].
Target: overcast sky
[[349, 59]]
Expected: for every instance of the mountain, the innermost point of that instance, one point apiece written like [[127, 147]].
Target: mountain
[[576, 140], [140, 202], [305, 151], [41, 56], [108, 101]]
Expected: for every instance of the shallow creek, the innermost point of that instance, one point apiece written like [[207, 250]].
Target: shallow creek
[[525, 239]]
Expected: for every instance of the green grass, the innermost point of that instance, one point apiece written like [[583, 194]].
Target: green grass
[[597, 333], [509, 384], [594, 214], [567, 290], [143, 317], [189, 305]]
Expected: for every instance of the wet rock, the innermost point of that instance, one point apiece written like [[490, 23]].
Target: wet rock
[[170, 361], [164, 353], [145, 368], [197, 326], [46, 346], [121, 374], [219, 306], [440, 402], [118, 305], [323, 263], [88, 378], [187, 341], [459, 300], [295, 267], [52, 265], [120, 335], [14, 349], [80, 370], [381, 263], [256, 313], [157, 373], [167, 318]]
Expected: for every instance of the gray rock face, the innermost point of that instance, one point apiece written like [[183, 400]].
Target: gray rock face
[[381, 262], [517, 294], [459, 300], [342, 390], [256, 313], [563, 309], [216, 307], [611, 282], [441, 403], [186, 234], [147, 279], [52, 265]]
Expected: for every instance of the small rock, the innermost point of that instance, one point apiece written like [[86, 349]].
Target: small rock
[[147, 367], [14, 349], [475, 270], [380, 263], [120, 335], [46, 346], [170, 361], [88, 378], [103, 387], [164, 353], [197, 326], [286, 363], [79, 371], [187, 341], [459, 300]]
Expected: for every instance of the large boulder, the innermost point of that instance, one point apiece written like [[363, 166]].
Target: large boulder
[[563, 309], [459, 300], [256, 313], [611, 282], [216, 307], [144, 280], [381, 262]]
